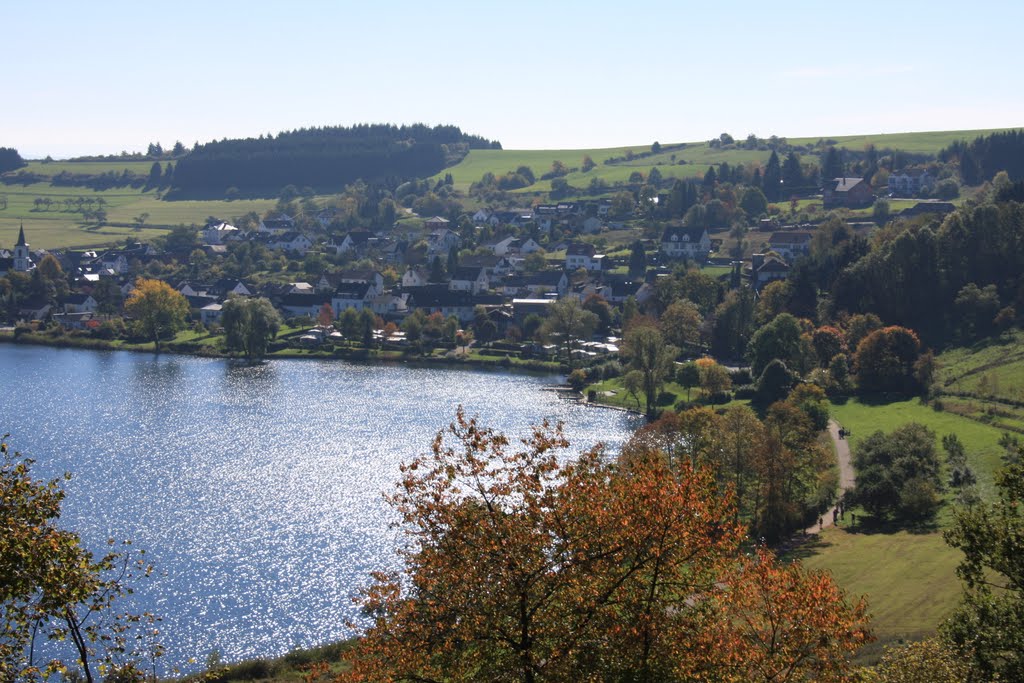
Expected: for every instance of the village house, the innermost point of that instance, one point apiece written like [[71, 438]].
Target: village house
[[852, 193], [765, 269], [211, 313], [292, 242], [469, 279], [441, 242], [331, 281], [582, 255], [79, 303], [391, 306], [439, 299], [296, 304], [281, 224], [436, 223], [690, 243], [356, 242], [357, 295], [790, 245], [910, 183], [219, 233], [547, 282], [415, 277]]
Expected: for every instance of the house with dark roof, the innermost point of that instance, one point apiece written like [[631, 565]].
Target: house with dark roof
[[440, 242], [436, 223], [357, 295], [690, 243], [547, 282], [295, 305], [281, 224], [765, 269], [439, 299], [790, 245], [583, 255], [356, 241], [469, 279], [78, 302], [852, 193]]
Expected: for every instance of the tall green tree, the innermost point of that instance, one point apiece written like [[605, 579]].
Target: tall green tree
[[566, 323], [637, 259], [779, 339], [898, 473], [653, 358], [250, 324], [773, 178], [988, 627], [832, 165], [792, 173]]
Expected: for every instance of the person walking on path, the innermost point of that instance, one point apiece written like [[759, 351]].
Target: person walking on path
[[846, 475]]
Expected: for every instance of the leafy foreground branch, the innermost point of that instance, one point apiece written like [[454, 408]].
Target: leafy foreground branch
[[55, 598], [522, 564]]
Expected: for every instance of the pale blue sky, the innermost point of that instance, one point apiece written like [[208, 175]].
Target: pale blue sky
[[98, 77]]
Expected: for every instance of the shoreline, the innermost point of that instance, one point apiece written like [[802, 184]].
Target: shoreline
[[348, 354]]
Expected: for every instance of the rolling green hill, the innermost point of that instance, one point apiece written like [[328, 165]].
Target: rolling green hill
[[57, 227], [690, 161]]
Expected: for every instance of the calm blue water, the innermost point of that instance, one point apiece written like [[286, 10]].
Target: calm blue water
[[255, 491]]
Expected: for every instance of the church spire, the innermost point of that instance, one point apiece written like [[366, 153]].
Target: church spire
[[21, 237]]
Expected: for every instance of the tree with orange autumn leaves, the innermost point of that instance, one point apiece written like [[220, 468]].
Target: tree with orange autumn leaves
[[523, 564]]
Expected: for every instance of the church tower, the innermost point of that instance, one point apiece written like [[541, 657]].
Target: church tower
[[22, 257]]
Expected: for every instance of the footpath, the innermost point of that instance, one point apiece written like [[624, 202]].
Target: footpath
[[846, 478]]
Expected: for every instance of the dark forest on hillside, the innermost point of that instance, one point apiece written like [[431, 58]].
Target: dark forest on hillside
[[987, 155], [322, 158], [10, 159]]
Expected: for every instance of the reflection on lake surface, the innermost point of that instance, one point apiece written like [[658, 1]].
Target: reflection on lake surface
[[256, 491]]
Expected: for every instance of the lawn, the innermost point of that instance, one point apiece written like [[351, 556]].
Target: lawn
[[909, 579]]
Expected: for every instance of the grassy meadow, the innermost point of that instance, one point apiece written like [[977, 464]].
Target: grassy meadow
[[60, 227], [692, 160], [909, 579]]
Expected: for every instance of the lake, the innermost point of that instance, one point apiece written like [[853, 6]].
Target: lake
[[256, 491]]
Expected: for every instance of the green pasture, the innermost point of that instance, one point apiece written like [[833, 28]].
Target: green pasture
[[59, 226], [52, 168], [929, 142], [58, 232], [696, 155], [992, 369], [171, 213]]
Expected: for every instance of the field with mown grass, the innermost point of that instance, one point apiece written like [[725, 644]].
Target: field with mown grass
[[909, 579]]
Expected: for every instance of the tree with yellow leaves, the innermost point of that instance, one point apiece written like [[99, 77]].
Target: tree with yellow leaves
[[157, 309]]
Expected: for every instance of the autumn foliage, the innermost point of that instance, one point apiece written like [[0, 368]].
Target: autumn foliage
[[522, 564]]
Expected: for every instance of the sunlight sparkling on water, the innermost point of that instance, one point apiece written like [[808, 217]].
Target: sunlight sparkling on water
[[255, 491]]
